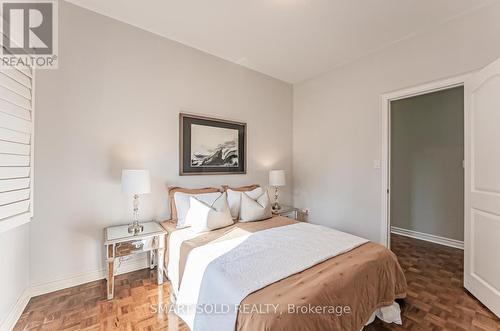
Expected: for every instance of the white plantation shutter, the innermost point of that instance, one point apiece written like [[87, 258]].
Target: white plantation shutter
[[16, 146]]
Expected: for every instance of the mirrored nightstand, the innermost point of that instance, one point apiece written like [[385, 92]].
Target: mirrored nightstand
[[292, 212], [119, 242]]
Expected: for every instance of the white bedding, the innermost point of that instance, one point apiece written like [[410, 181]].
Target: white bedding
[[175, 241], [388, 314], [220, 275]]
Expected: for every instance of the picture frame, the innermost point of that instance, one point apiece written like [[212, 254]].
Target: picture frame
[[211, 146]]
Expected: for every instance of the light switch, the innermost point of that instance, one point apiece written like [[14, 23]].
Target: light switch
[[376, 164]]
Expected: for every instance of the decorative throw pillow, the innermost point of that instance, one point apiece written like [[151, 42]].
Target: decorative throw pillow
[[234, 199], [182, 203], [255, 209], [203, 217]]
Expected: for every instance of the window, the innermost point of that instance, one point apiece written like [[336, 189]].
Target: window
[[16, 147]]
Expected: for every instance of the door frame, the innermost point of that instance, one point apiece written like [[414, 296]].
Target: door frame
[[385, 106]]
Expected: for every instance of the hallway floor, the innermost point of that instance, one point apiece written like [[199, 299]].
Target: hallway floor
[[436, 297]]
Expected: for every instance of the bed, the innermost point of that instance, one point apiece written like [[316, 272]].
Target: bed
[[341, 292]]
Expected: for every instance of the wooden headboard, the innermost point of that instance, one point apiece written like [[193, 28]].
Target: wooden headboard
[[241, 188]]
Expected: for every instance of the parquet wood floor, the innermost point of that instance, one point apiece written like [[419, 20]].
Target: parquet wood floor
[[436, 299], [85, 307]]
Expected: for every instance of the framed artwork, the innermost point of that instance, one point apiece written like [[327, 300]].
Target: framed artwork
[[211, 146]]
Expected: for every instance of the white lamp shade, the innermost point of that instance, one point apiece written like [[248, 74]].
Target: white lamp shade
[[277, 178], [136, 181]]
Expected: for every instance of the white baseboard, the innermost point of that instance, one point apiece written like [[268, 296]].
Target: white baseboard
[[16, 311], [60, 284], [56, 285], [131, 265], [428, 237]]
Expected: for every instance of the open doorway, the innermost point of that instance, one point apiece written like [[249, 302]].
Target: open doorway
[[435, 270], [426, 166], [427, 133], [387, 100]]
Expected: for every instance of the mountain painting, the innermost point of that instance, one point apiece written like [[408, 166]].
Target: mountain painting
[[213, 146]]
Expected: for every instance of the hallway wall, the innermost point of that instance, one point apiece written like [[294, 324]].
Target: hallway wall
[[427, 175]]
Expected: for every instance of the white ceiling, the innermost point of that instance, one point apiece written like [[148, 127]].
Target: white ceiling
[[292, 40]]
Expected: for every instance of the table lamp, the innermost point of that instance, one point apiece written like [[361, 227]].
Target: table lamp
[[136, 182], [276, 179]]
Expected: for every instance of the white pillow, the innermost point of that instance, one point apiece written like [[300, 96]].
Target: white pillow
[[203, 217], [182, 203], [234, 199], [255, 209]]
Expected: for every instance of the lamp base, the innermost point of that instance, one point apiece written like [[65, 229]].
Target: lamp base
[[276, 207], [135, 228]]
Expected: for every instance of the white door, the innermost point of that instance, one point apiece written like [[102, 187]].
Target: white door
[[482, 190]]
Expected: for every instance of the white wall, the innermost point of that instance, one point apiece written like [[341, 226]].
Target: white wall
[[427, 153], [336, 118], [14, 266], [114, 103]]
